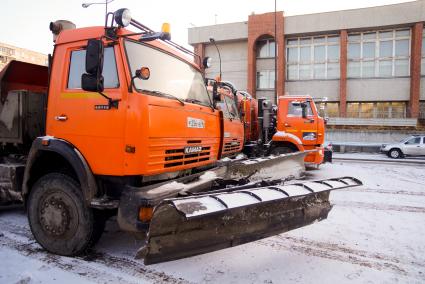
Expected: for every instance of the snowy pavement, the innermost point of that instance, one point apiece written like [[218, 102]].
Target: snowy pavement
[[374, 233], [377, 157]]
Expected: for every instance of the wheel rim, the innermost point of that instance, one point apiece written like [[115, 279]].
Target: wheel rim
[[58, 215], [394, 154]]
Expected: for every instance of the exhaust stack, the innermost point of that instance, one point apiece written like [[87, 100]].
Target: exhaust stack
[[60, 25]]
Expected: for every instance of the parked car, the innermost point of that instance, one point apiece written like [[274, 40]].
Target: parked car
[[411, 146]]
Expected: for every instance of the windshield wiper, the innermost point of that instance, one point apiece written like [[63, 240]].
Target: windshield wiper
[[163, 95]]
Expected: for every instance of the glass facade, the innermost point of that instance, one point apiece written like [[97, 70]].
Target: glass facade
[[423, 53], [376, 109], [265, 79], [328, 109], [312, 58], [379, 54], [266, 48]]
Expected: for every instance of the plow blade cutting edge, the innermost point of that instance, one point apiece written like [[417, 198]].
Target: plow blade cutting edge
[[271, 167], [188, 226]]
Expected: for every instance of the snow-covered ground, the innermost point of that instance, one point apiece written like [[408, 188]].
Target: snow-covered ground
[[375, 233], [378, 157]]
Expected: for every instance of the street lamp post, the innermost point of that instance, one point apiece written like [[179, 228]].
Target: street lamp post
[[86, 5], [275, 53], [212, 40]]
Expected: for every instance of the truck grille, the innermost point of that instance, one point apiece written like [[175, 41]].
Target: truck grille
[[231, 146], [177, 157]]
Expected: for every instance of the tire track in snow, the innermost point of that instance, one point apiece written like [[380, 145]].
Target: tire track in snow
[[20, 239], [337, 252], [385, 191], [378, 206]]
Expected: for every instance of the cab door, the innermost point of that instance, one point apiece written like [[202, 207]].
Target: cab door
[[412, 146], [305, 128], [80, 117]]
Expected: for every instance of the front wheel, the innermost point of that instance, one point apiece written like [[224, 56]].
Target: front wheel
[[59, 219], [395, 154]]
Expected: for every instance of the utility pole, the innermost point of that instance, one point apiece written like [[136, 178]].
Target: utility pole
[[275, 53]]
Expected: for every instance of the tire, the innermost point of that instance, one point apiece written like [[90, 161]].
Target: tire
[[281, 150], [395, 153], [59, 218]]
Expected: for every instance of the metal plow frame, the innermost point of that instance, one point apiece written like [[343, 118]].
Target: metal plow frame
[[188, 226], [290, 164]]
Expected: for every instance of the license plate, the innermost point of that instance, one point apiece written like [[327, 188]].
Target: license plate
[[192, 149]]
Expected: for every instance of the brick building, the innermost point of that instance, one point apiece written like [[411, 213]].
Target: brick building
[[367, 62], [10, 52]]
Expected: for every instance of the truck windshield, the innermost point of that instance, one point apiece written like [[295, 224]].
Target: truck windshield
[[168, 75]]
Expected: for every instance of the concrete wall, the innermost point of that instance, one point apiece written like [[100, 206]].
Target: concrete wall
[[392, 89], [265, 64], [380, 16], [315, 88], [371, 136], [233, 62], [224, 32], [269, 94], [357, 18]]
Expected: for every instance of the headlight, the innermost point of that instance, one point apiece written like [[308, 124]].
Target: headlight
[[207, 62], [122, 17]]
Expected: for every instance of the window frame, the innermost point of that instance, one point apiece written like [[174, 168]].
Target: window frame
[[311, 65], [267, 44], [268, 80], [377, 60], [81, 48]]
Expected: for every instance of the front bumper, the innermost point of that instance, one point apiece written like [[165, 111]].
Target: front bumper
[[134, 198]]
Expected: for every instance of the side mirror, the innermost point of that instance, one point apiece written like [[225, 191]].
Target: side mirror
[[92, 80], [216, 96], [143, 74], [206, 62], [304, 109]]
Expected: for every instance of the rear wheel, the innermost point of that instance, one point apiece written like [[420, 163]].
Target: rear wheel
[[59, 219], [395, 154], [281, 150]]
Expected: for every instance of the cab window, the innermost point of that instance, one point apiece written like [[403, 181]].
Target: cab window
[[77, 68], [232, 107], [296, 110], [416, 140]]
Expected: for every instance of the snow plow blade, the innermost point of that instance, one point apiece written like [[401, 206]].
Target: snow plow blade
[[271, 167], [183, 227]]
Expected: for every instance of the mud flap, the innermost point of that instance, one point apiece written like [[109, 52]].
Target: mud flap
[[183, 227]]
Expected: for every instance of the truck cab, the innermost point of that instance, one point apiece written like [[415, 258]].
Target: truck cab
[[233, 127], [300, 126]]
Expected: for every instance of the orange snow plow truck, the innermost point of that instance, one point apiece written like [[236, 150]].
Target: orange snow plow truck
[[121, 123]]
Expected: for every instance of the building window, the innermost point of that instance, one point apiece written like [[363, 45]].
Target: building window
[[328, 109], [379, 54], [376, 109], [423, 53], [312, 58], [422, 109], [3, 59], [266, 48], [265, 79], [7, 50]]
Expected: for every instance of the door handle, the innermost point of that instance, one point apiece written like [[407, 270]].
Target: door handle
[[61, 117]]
